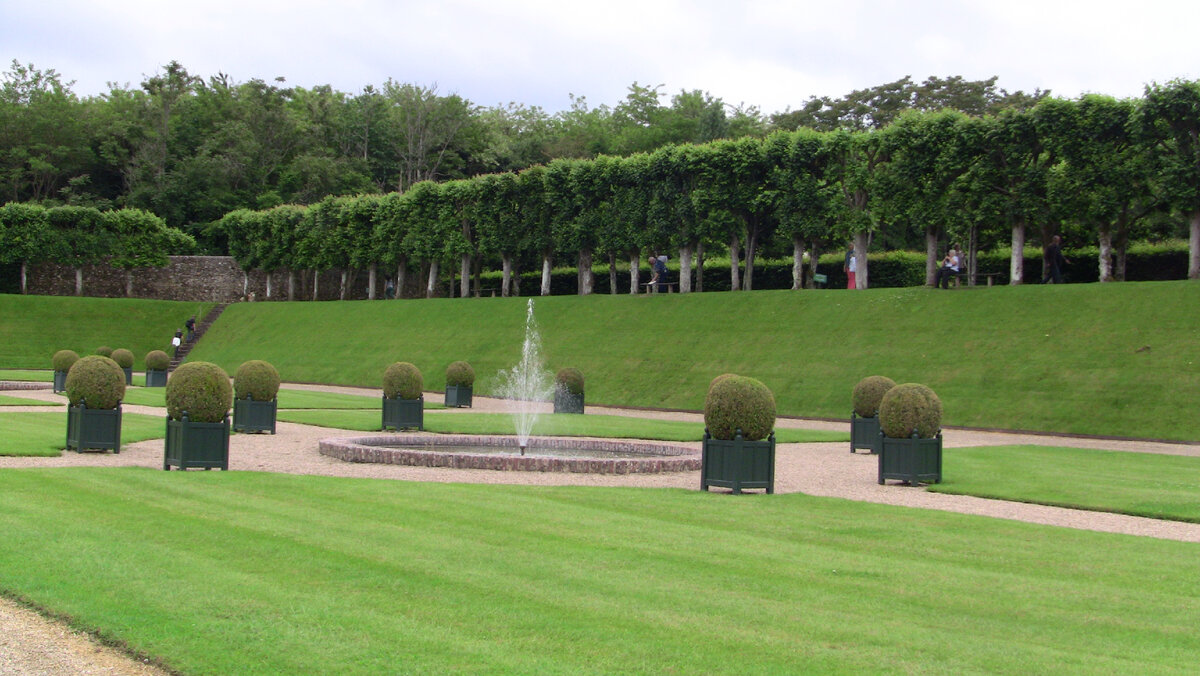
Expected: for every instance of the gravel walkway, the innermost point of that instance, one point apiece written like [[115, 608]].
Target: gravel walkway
[[825, 469]]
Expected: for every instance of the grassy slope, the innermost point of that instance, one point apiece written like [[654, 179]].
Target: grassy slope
[[33, 328], [1103, 359], [243, 572]]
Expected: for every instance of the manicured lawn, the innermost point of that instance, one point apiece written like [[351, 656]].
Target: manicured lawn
[[1141, 484], [27, 374], [7, 400], [241, 572], [288, 399], [547, 425], [45, 434]]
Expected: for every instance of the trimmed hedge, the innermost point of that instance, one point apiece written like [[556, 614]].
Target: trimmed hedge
[[908, 409], [403, 380], [570, 380], [63, 360], [200, 388], [96, 380], [737, 402], [123, 357], [256, 379], [458, 374], [868, 394], [157, 360]]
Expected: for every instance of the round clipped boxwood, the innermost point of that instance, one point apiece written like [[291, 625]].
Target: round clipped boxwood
[[157, 360], [910, 408], [200, 388], [256, 379], [123, 357], [737, 402], [402, 380], [64, 359], [96, 381], [104, 351], [458, 374], [569, 380], [868, 393]]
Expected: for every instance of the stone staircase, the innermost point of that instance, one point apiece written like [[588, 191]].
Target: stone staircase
[[201, 328]]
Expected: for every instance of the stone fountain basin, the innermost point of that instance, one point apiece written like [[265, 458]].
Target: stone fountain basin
[[462, 451]]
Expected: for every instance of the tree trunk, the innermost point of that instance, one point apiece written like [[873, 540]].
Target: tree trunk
[[612, 273], [291, 284], [342, 285], [751, 250], [1016, 268], [316, 283], [972, 254], [1047, 234], [1194, 247], [372, 272], [506, 275], [635, 273], [931, 259], [814, 260], [464, 285], [1106, 267], [129, 283], [734, 283], [862, 241], [268, 285], [700, 267], [685, 269], [401, 278], [24, 277], [797, 262], [431, 284], [587, 280], [1121, 245], [78, 281], [545, 274]]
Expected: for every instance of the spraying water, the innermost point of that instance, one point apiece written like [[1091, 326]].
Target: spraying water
[[527, 384]]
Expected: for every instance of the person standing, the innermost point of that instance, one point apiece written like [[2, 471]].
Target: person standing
[[850, 266], [176, 341], [1054, 261]]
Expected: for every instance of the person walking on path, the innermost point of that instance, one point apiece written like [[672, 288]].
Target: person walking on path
[[190, 324], [1054, 261], [176, 341]]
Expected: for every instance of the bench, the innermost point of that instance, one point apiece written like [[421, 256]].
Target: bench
[[486, 291], [670, 286], [990, 276]]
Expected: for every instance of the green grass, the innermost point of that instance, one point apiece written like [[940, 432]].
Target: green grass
[[608, 426], [43, 325], [242, 572], [288, 399], [1114, 359], [6, 400], [26, 374], [1141, 484], [45, 434]]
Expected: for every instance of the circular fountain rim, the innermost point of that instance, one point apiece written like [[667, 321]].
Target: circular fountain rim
[[381, 449]]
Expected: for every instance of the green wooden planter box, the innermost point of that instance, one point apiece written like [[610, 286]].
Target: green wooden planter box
[[128, 375], [737, 464], [254, 416], [565, 402], [197, 444], [94, 428], [156, 378], [912, 460], [60, 381], [458, 396], [404, 413], [864, 433]]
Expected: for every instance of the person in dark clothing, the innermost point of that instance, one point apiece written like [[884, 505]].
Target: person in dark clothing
[[191, 328], [659, 265], [1054, 261]]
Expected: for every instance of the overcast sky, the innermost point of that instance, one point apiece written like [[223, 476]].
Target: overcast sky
[[772, 54]]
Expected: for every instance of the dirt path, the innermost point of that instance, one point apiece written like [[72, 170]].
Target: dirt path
[[826, 469]]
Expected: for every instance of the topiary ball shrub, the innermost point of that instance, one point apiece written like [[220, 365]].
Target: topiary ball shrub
[[63, 360], [200, 388], [123, 357], [95, 381], [157, 360], [737, 402], [910, 408], [104, 351], [402, 380], [569, 380], [256, 379], [868, 393], [458, 374]]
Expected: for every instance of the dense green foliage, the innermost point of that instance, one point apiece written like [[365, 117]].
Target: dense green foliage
[[96, 381], [460, 373], [123, 357], [910, 409], [201, 390], [157, 360], [737, 403], [402, 380], [426, 575], [569, 380], [104, 351], [1141, 484], [257, 380], [64, 359], [868, 393]]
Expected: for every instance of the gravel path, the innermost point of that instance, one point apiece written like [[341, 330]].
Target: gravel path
[[825, 469]]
